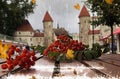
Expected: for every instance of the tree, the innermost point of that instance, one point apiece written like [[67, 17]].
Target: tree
[[108, 12], [12, 13]]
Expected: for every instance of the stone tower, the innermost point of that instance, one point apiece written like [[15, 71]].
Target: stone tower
[[48, 29], [84, 25]]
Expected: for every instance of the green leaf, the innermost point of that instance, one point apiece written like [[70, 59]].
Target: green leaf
[[106, 49], [78, 55], [88, 55], [58, 57], [63, 58]]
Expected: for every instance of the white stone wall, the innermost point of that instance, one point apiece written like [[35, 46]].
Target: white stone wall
[[38, 41], [48, 33], [96, 39], [28, 38], [84, 28]]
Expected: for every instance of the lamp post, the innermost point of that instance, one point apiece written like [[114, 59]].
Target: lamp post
[[93, 30], [112, 40]]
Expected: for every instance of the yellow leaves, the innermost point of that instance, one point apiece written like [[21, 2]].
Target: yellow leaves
[[3, 50], [33, 1], [77, 6], [70, 54], [109, 1], [33, 77]]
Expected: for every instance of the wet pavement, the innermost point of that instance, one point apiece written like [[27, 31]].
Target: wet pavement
[[106, 65]]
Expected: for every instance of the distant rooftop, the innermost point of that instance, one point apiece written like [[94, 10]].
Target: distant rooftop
[[94, 31], [39, 34], [25, 26]]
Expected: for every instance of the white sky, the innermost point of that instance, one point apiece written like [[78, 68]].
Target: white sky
[[61, 11]]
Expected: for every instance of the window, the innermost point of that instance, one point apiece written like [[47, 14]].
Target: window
[[20, 39], [36, 39], [19, 32], [30, 39]]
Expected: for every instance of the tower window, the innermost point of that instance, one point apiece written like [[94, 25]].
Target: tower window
[[36, 39], [19, 32], [30, 39], [20, 39]]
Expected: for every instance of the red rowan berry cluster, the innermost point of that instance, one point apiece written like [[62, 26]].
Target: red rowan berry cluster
[[18, 57], [62, 44]]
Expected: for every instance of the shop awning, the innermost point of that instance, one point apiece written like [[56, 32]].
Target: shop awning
[[116, 31], [105, 37]]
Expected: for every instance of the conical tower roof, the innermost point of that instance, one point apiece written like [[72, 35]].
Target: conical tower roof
[[84, 12], [47, 17]]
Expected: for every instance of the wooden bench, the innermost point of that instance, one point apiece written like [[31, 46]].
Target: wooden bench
[[105, 66]]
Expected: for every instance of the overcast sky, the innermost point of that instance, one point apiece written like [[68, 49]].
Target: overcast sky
[[61, 11]]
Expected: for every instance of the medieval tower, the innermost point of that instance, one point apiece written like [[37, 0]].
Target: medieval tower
[[48, 29], [84, 25]]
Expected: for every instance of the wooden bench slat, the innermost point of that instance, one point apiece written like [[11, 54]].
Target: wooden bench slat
[[109, 69], [69, 69], [43, 67], [110, 61], [106, 64], [111, 56]]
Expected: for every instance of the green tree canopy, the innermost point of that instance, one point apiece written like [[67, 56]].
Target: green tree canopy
[[108, 14], [12, 13]]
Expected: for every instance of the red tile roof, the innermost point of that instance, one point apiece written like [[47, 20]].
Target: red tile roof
[[47, 17], [38, 34], [84, 12], [26, 26], [95, 32]]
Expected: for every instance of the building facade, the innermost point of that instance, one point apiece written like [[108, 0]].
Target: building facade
[[48, 29], [90, 34], [27, 35], [100, 34], [84, 25]]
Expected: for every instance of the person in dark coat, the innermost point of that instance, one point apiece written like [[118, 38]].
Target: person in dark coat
[[27, 47], [114, 47]]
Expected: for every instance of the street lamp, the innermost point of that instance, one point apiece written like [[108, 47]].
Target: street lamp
[[93, 30]]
